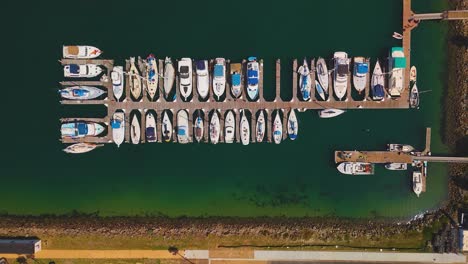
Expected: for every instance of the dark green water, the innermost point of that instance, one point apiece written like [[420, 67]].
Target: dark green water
[[293, 179]]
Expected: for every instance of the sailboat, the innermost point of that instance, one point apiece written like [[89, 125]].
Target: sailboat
[[169, 76], [305, 81], [80, 148], [151, 130], [277, 129], [320, 90], [152, 76], [214, 128], [182, 127], [329, 113], [135, 130], [198, 128], [293, 125], [260, 130], [81, 92], [322, 74], [245, 129], [118, 127], [166, 127], [135, 81], [377, 83], [229, 127]]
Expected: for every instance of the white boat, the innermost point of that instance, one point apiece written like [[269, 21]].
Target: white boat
[[360, 72], [81, 70], [169, 76], [341, 74], [219, 77], [400, 148], [277, 129], [214, 128], [322, 74], [117, 77], [229, 127], [118, 128], [185, 77], [203, 78], [244, 130], [413, 74], [81, 129], [81, 52], [414, 96], [396, 166], [182, 127], [198, 128], [397, 35], [134, 80], [152, 76], [81, 92], [377, 83], [396, 66], [151, 133], [260, 129], [253, 71], [320, 90], [135, 130], [356, 168], [80, 148], [236, 79], [305, 81], [417, 182], [166, 128], [293, 125], [329, 113]]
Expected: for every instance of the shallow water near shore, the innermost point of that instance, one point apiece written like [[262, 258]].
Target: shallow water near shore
[[292, 179]]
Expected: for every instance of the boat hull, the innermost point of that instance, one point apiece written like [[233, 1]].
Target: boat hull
[[229, 127], [198, 128], [169, 76], [245, 130], [293, 125], [185, 78], [151, 130], [118, 128], [277, 129], [260, 129], [81, 93], [322, 74], [214, 128], [80, 52], [182, 127], [166, 128], [135, 130], [117, 77]]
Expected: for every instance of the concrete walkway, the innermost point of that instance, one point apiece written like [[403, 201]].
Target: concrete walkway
[[101, 254]]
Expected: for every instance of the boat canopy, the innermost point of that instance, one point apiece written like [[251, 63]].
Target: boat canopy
[[396, 49], [343, 69], [399, 62], [218, 70], [80, 92], [82, 128], [200, 65], [150, 133], [304, 82], [115, 124], [236, 79], [252, 58], [74, 68], [184, 69], [73, 50], [151, 74], [181, 131], [378, 91], [362, 68], [253, 77]]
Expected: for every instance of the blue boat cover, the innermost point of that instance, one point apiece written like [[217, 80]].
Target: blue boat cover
[[236, 79], [80, 92], [218, 70], [305, 94], [151, 74], [277, 132], [200, 65], [253, 77], [115, 124], [74, 68], [82, 128], [304, 82], [150, 133], [362, 68], [378, 91], [181, 131]]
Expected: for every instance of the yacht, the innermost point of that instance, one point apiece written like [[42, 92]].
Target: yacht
[[169, 76], [417, 182], [135, 130], [277, 129], [81, 70], [151, 130], [118, 127], [80, 148], [341, 74], [229, 127], [293, 125], [182, 127], [135, 80], [198, 128], [400, 148], [396, 166], [305, 81], [185, 77], [117, 77], [81, 93], [253, 72], [260, 130], [360, 72], [329, 113], [81, 52], [322, 74], [152, 76], [203, 79], [236, 79], [377, 83], [81, 129], [166, 127], [396, 66], [219, 77], [356, 168], [214, 128], [244, 130]]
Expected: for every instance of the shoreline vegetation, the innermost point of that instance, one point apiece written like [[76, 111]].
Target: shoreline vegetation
[[81, 231]]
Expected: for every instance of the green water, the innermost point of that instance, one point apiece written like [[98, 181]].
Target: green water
[[293, 179]]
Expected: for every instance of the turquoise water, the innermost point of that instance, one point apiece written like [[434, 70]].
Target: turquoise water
[[293, 179]]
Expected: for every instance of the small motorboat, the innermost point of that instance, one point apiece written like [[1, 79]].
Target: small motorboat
[[413, 74], [185, 77], [293, 125], [277, 129], [245, 129], [396, 166], [414, 97], [341, 74], [169, 76], [203, 78], [151, 130], [81, 70], [322, 74], [80, 148], [360, 71], [229, 127], [397, 35], [152, 76], [134, 80], [118, 127], [377, 83], [81, 52], [253, 72], [305, 81], [320, 90], [81, 129], [356, 168], [236, 79], [198, 128], [400, 148], [117, 77], [214, 128], [260, 129], [81, 92], [166, 128], [135, 130], [182, 127], [219, 77], [329, 113], [417, 182]]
